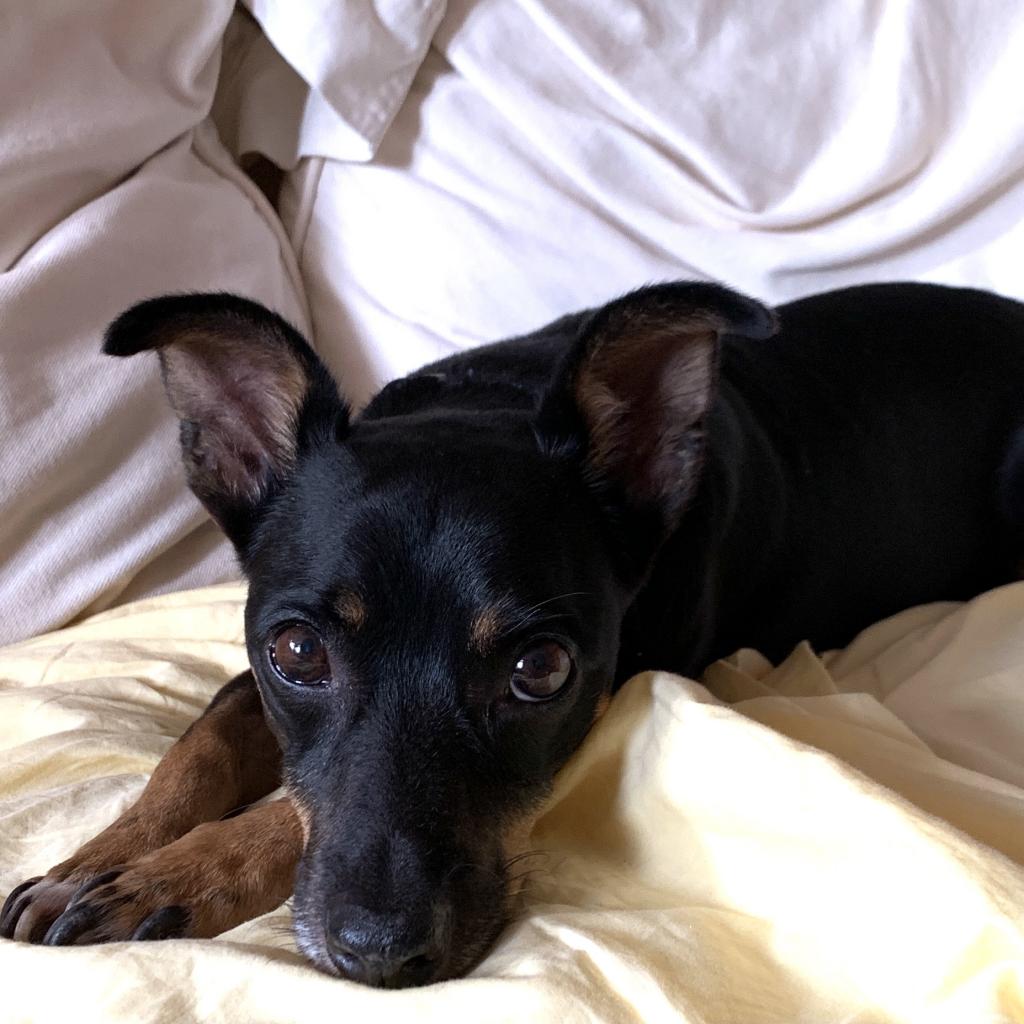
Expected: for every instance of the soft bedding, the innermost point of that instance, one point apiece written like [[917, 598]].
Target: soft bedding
[[839, 838], [820, 842]]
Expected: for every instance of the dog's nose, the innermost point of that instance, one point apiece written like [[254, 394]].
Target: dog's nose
[[384, 950]]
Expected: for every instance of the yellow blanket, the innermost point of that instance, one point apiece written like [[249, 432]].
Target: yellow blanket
[[798, 854]]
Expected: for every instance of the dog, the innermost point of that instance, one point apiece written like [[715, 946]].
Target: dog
[[446, 590]]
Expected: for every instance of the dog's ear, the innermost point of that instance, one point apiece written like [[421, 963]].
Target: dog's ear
[[636, 386], [246, 387]]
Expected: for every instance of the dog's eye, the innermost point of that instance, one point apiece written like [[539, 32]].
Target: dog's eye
[[299, 656], [541, 671]]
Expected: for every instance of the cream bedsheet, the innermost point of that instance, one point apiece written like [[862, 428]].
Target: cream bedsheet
[[797, 854]]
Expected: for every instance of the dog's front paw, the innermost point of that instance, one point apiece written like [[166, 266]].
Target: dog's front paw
[[164, 894], [59, 913], [103, 909], [211, 879], [156, 897], [149, 899], [34, 905]]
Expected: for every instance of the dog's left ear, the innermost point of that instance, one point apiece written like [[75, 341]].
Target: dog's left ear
[[247, 389], [637, 385]]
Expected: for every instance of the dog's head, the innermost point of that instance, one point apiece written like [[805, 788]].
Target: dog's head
[[436, 587]]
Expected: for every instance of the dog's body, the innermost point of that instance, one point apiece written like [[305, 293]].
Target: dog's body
[[854, 467], [445, 591]]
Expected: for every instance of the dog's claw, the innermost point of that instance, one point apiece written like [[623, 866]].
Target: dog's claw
[[165, 923], [93, 883], [14, 915], [74, 922], [13, 907], [34, 907], [54, 914]]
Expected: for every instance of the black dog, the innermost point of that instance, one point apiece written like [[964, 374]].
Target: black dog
[[446, 589]]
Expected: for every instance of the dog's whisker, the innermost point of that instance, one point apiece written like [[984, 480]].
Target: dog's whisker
[[531, 873], [281, 929], [530, 612], [525, 856]]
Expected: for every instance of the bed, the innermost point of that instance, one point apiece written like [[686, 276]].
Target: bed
[[836, 838]]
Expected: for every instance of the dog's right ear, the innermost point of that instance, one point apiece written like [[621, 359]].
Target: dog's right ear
[[246, 387]]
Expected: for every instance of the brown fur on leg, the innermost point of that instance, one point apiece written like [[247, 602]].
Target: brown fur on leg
[[227, 758], [217, 876]]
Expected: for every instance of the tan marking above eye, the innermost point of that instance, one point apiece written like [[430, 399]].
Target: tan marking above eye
[[486, 628], [351, 609]]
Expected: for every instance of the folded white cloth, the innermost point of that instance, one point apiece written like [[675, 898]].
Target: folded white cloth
[[347, 67]]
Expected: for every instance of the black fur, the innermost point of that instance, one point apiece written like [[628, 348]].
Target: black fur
[[860, 461]]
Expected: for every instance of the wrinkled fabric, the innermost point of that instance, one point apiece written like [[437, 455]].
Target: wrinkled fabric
[[113, 188], [793, 850], [353, 64], [555, 153]]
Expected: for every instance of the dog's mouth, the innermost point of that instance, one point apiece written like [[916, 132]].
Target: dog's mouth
[[397, 950]]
